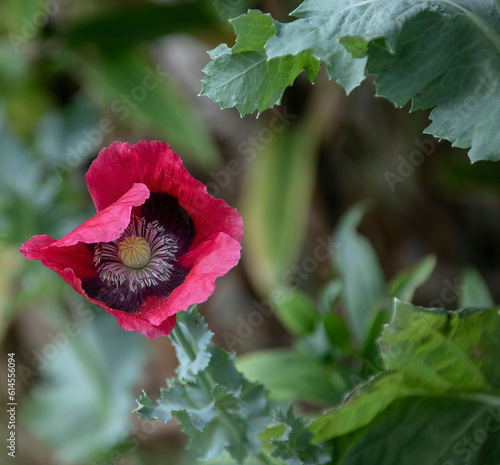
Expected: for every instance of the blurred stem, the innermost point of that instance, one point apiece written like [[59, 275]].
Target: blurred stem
[[265, 458], [497, 3]]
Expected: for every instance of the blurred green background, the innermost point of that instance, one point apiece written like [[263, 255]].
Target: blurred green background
[[76, 76]]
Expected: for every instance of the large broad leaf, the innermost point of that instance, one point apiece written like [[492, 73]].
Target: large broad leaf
[[430, 431], [441, 383], [437, 54]]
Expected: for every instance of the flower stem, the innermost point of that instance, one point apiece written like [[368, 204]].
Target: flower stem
[[497, 2], [265, 458]]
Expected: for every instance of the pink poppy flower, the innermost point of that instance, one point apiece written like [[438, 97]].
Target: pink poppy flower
[[156, 245]]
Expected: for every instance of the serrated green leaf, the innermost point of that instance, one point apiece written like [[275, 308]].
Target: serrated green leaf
[[362, 277], [474, 290], [427, 353], [295, 446], [442, 54], [216, 406], [438, 54], [253, 29], [403, 286], [244, 77], [229, 416], [192, 401], [194, 358]]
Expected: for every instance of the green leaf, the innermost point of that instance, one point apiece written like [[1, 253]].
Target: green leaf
[[229, 416], [356, 46], [253, 30], [244, 77], [474, 290], [295, 446], [193, 351], [291, 375], [403, 286], [329, 295], [197, 410], [86, 394], [434, 431], [437, 54], [362, 277], [216, 406], [427, 353], [296, 311], [337, 332], [371, 351]]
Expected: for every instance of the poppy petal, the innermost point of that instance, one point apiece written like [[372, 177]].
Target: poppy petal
[[120, 165], [73, 251], [108, 224], [126, 321], [150, 181], [154, 164], [207, 262]]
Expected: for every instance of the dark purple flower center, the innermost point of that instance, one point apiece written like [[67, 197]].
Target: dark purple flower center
[[144, 260]]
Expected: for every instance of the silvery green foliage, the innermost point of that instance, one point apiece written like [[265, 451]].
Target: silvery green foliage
[[438, 54]]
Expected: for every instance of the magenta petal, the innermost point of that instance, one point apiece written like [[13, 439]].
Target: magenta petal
[[119, 166], [108, 224], [32, 248], [127, 321], [132, 322], [208, 262], [71, 252], [153, 163], [122, 181]]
